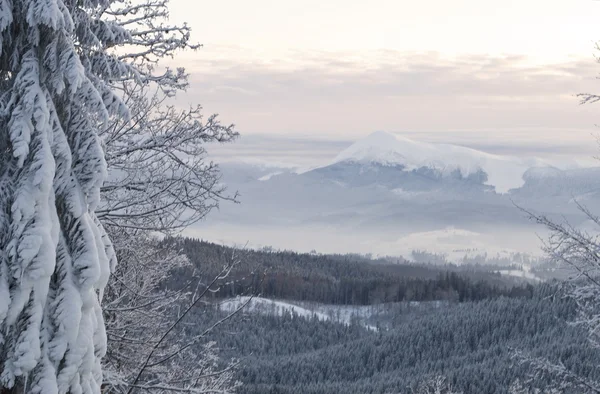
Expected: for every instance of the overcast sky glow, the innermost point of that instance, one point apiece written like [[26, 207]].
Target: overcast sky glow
[[471, 70]]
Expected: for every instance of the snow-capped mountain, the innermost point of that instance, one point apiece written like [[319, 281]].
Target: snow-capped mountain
[[386, 149], [389, 194]]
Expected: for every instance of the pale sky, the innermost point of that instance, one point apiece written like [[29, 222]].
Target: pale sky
[[548, 29], [470, 70]]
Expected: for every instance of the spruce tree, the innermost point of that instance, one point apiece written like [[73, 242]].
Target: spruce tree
[[56, 76]]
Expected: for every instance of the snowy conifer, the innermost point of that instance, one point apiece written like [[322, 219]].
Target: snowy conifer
[[56, 77]]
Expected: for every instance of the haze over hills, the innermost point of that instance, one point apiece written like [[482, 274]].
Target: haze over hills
[[387, 194]]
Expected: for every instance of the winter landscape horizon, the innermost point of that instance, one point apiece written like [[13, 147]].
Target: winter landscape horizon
[[299, 197], [344, 194]]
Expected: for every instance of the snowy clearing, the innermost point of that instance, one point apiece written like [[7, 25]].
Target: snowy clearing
[[338, 313]]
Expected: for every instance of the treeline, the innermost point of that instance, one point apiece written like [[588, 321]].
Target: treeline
[[345, 290], [469, 343], [339, 279]]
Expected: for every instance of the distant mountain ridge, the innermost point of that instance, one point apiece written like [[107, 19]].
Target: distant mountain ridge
[[386, 149], [389, 194]]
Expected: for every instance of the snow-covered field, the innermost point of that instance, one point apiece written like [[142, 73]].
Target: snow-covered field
[[524, 274], [265, 305], [339, 313], [345, 314], [453, 242]]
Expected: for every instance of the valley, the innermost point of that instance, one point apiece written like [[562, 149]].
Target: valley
[[317, 323]]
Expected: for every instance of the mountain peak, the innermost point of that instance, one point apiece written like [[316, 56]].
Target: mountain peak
[[383, 148], [381, 137], [380, 147]]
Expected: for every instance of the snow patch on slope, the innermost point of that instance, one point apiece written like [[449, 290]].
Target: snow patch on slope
[[269, 176], [525, 273], [542, 173], [339, 313], [265, 305], [504, 172], [455, 244]]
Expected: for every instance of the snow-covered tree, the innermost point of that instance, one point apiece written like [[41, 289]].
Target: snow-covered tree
[[160, 179], [151, 347], [578, 251], [159, 182], [61, 62], [545, 376], [434, 385]]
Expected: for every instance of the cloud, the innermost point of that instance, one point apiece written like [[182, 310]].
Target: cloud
[[389, 73], [293, 151], [346, 95], [306, 152]]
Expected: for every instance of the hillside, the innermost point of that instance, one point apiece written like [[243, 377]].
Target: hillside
[[469, 343], [344, 279]]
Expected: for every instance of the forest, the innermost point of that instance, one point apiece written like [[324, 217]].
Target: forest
[[344, 279], [471, 336], [108, 172], [472, 344], [468, 344]]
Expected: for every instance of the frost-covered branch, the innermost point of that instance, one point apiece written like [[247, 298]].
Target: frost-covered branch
[[578, 251], [73, 115], [149, 346], [549, 377], [434, 385], [159, 175]]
